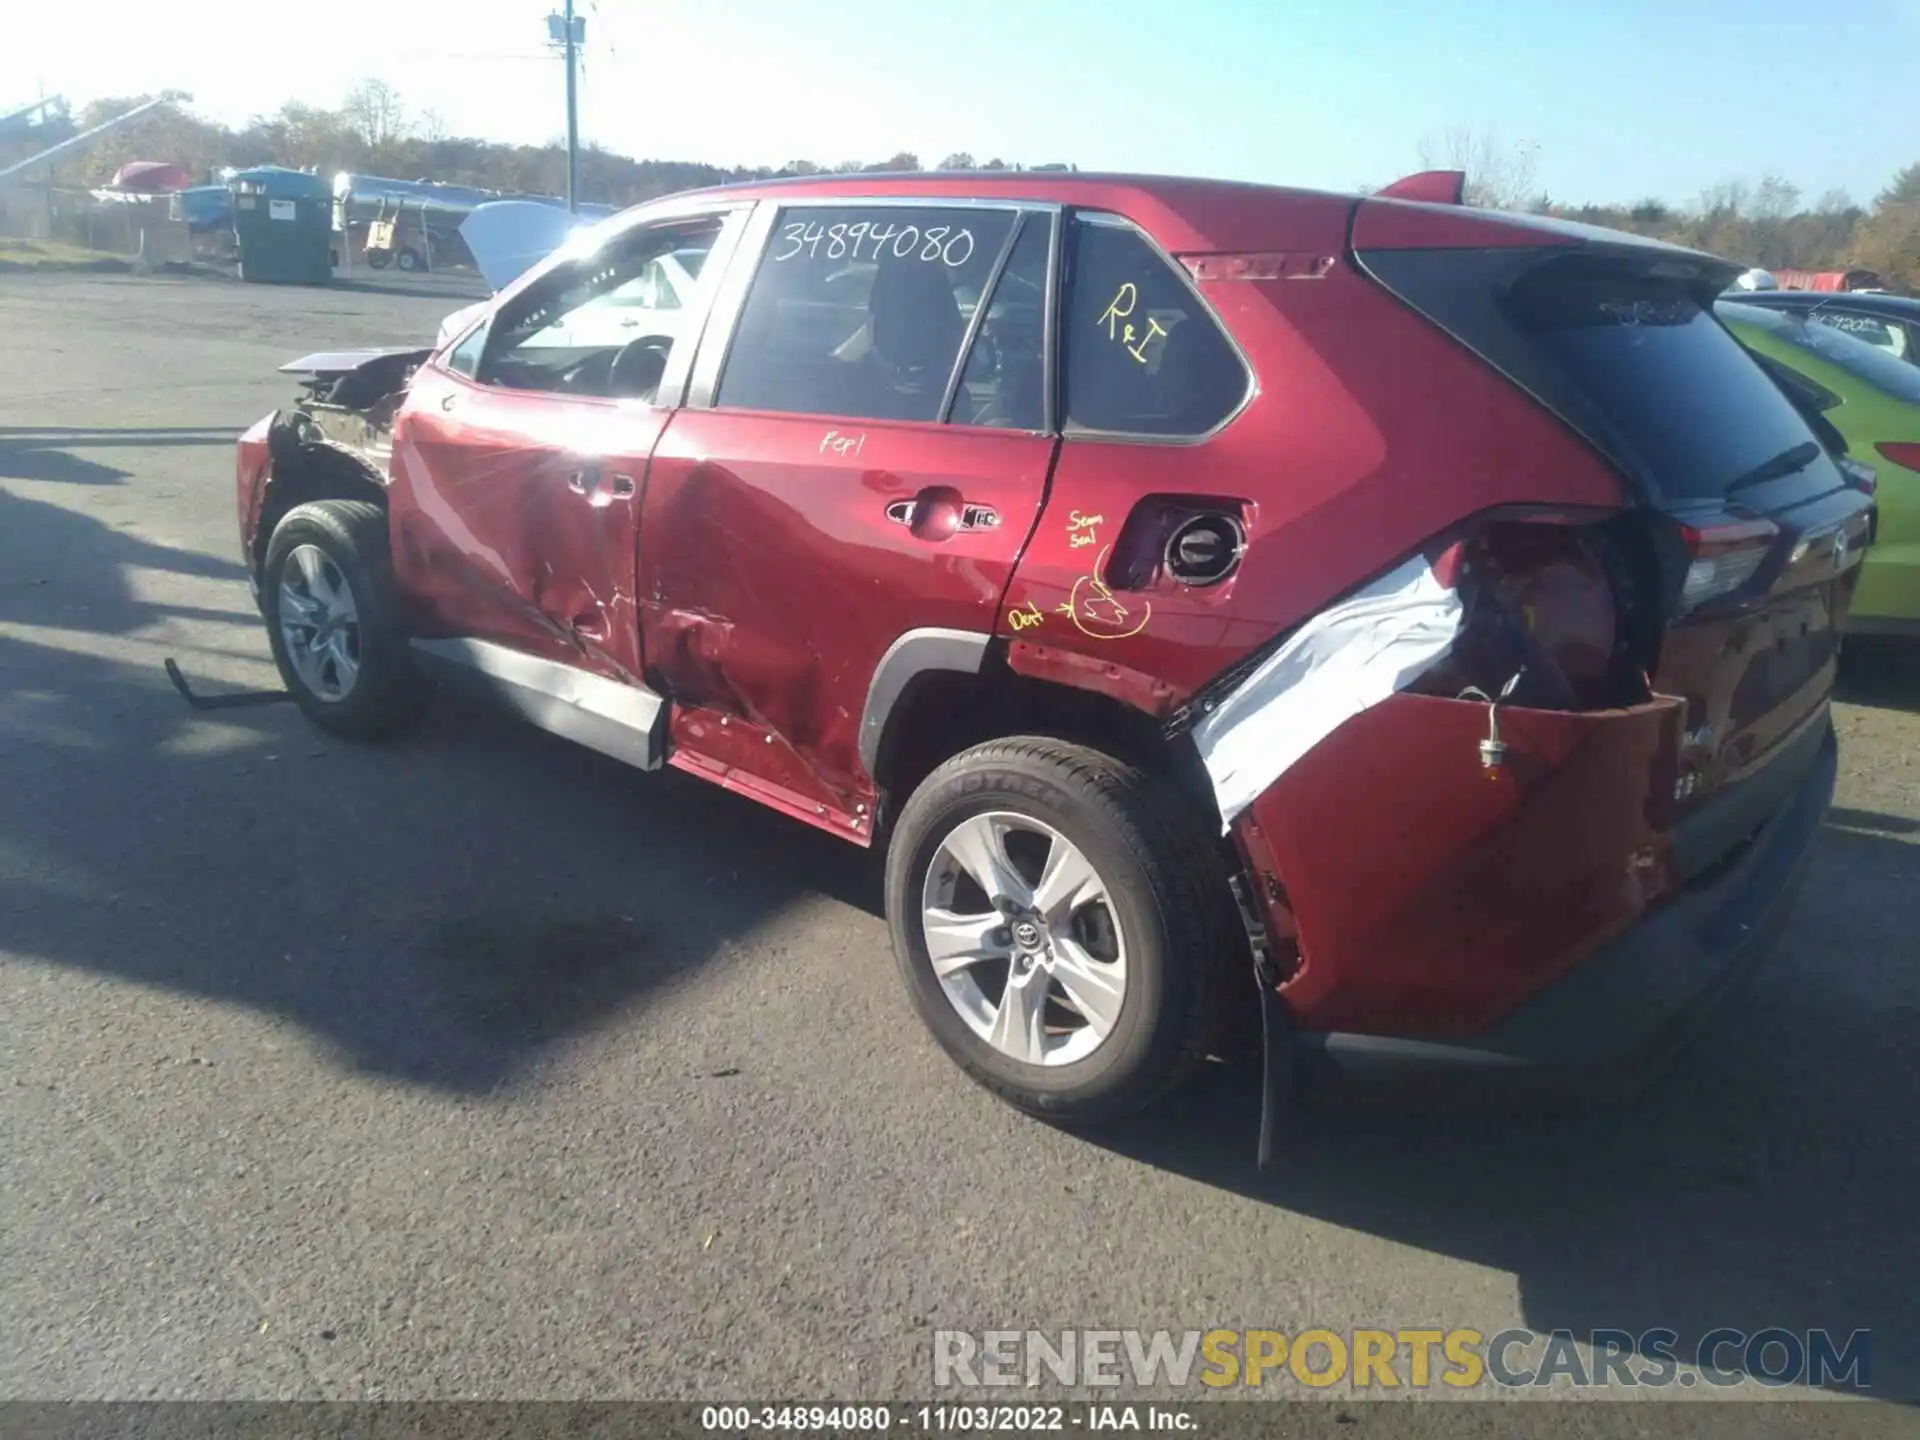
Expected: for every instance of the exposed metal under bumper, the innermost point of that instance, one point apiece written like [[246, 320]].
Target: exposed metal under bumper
[[626, 722]]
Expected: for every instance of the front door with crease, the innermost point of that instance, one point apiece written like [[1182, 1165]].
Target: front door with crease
[[521, 519], [517, 499]]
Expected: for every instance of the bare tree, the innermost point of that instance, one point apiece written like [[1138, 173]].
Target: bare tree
[[432, 126], [1499, 177], [374, 112], [1775, 198], [959, 160]]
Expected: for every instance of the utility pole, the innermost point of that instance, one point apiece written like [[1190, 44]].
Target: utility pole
[[569, 30], [573, 120]]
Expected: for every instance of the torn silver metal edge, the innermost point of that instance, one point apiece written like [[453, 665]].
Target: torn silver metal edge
[[1342, 662]]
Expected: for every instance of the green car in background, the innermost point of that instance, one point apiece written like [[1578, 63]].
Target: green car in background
[[1873, 400]]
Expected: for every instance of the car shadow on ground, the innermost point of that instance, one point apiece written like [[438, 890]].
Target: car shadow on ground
[[441, 910], [1880, 673], [44, 452], [1767, 1179]]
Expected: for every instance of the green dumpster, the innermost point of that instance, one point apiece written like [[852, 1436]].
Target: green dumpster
[[283, 226]]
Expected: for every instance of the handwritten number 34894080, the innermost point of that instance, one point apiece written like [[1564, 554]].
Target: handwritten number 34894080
[[944, 244]]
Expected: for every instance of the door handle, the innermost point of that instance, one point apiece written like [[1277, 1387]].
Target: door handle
[[940, 512], [591, 482]]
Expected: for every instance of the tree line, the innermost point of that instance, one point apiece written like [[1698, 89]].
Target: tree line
[[373, 132], [1767, 222]]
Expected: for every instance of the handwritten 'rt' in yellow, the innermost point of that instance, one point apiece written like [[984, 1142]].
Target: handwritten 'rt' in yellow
[[1125, 300]]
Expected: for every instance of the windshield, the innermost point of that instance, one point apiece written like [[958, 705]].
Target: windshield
[[1867, 363]]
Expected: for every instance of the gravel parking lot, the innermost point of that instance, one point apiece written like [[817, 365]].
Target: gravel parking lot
[[477, 1066]]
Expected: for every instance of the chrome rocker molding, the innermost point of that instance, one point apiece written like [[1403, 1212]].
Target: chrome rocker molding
[[623, 721]]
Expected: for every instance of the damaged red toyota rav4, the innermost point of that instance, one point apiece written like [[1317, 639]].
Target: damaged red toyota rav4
[[1431, 612]]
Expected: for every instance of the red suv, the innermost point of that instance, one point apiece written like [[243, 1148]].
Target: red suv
[[1429, 612]]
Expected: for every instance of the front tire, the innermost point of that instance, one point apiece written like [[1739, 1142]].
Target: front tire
[[327, 594], [1057, 918]]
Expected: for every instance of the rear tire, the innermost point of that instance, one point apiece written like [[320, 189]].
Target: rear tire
[[1131, 967], [327, 593]]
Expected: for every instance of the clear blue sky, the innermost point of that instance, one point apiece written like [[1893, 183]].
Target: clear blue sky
[[1623, 99]]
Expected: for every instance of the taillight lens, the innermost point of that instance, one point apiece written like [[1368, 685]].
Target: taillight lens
[[1725, 557], [1905, 453]]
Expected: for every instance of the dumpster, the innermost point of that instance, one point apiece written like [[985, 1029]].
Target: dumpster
[[283, 226]]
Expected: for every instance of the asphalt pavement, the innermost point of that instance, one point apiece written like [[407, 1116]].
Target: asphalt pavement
[[477, 1066]]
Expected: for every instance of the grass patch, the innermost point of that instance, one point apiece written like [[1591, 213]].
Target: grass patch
[[56, 255]]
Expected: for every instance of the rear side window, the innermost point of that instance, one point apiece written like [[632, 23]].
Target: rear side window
[[1143, 356], [1676, 388], [861, 311]]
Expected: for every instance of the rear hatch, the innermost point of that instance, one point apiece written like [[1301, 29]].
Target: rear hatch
[[1744, 536]]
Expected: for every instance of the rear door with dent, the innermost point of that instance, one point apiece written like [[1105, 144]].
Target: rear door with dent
[[863, 453]]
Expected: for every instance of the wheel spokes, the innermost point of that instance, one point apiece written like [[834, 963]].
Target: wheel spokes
[[1095, 989], [1068, 882], [979, 846], [956, 942], [313, 572], [1019, 1024], [346, 668]]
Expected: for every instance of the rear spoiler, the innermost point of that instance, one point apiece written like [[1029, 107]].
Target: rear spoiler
[[1436, 187]]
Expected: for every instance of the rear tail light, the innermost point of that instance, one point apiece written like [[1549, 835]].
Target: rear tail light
[[1725, 557], [1904, 453]]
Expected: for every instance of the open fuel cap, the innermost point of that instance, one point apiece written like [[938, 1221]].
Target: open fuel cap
[[1204, 549]]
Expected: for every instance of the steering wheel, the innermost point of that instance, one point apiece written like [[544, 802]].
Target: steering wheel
[[588, 376], [638, 367]]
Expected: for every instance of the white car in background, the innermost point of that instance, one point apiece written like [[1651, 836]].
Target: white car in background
[[508, 237]]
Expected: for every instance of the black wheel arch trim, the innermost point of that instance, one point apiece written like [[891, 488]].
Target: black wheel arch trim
[[913, 654]]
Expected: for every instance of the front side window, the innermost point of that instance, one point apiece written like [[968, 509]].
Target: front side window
[[1143, 355], [607, 323], [464, 358], [861, 311]]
